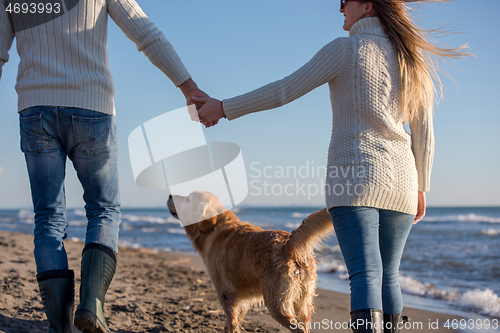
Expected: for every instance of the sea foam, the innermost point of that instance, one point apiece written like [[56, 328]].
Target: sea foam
[[490, 232], [26, 216], [484, 302], [298, 215], [462, 218], [149, 219]]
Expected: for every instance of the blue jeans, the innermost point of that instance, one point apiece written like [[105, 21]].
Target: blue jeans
[[372, 242], [88, 138]]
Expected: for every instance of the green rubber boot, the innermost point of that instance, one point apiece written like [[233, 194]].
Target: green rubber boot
[[57, 289], [98, 268], [367, 321], [393, 323]]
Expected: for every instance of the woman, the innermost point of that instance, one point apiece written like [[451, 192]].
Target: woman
[[379, 77]]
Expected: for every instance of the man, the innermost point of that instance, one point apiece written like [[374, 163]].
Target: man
[[66, 109]]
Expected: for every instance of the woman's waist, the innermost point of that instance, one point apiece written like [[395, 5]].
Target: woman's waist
[[380, 167]]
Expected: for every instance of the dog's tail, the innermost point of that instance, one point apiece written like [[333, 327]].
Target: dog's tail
[[314, 229]]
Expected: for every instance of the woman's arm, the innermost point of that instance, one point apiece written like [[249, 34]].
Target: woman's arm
[[422, 141], [323, 67], [422, 144]]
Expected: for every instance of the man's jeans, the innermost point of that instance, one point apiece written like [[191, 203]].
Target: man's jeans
[[372, 242], [88, 138]]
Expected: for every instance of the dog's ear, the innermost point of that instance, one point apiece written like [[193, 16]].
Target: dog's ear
[[208, 225]]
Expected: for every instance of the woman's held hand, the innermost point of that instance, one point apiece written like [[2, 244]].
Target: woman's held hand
[[210, 112]]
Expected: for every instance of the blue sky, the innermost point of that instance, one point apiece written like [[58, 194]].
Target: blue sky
[[233, 47]]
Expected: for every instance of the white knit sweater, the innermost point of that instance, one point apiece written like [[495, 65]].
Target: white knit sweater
[[372, 160], [64, 62]]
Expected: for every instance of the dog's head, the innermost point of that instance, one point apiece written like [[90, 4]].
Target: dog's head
[[202, 208]]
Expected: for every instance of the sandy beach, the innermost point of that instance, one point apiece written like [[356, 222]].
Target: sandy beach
[[156, 292]]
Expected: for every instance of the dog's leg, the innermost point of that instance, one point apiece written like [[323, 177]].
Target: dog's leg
[[304, 310], [289, 322], [303, 294], [283, 304], [234, 313], [282, 312], [303, 304], [243, 308]]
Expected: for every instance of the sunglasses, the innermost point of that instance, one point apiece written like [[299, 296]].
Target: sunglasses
[[343, 2]]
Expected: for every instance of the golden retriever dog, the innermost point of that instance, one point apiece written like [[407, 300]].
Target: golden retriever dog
[[249, 265]]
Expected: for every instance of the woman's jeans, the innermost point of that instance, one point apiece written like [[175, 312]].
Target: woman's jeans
[[372, 242], [88, 138]]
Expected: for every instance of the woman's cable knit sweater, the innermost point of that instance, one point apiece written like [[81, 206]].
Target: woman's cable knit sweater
[[64, 62], [372, 160]]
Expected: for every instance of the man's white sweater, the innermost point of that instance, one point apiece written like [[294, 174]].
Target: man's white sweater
[[372, 160], [64, 62]]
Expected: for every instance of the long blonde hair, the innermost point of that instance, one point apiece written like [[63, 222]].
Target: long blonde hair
[[417, 56]]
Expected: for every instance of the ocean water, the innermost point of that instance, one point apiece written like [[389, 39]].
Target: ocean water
[[452, 257]]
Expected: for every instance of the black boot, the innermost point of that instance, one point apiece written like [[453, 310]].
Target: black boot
[[98, 268], [367, 321], [57, 289], [394, 323]]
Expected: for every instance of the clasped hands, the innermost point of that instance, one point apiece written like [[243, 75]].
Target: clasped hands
[[208, 110]]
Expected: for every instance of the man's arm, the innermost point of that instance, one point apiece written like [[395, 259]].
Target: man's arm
[[6, 36]]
